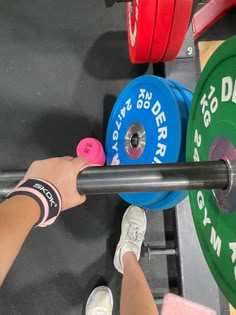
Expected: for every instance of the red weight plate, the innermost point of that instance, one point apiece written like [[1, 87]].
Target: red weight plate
[[164, 17], [140, 23], [181, 18]]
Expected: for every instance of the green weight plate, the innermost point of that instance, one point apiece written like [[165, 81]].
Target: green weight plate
[[213, 116]]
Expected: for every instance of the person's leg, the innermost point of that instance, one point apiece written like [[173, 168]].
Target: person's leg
[[136, 297], [100, 302]]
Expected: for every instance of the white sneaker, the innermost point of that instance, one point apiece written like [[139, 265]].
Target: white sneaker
[[100, 302], [133, 229]]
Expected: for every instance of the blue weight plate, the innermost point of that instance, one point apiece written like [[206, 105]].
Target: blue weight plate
[[186, 93], [184, 109], [147, 102], [174, 197], [170, 201]]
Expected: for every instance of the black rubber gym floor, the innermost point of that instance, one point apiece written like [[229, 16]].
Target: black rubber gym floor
[[62, 65]]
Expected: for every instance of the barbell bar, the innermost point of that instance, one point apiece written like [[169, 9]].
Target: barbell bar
[[144, 178]]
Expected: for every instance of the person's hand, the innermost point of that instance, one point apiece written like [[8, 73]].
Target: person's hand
[[62, 173]]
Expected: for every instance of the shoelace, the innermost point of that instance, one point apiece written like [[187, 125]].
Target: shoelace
[[133, 233]]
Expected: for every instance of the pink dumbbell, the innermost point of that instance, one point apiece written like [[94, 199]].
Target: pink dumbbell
[[92, 149]]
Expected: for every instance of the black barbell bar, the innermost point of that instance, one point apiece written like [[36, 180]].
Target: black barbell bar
[[142, 178]]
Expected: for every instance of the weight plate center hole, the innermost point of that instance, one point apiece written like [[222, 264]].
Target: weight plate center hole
[[135, 140], [223, 149]]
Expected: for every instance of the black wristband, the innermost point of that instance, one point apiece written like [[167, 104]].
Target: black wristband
[[46, 195]]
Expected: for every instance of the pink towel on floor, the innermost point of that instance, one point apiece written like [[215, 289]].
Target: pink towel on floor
[[176, 305]]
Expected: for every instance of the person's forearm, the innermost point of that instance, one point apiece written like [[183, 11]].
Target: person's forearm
[[20, 212], [17, 217]]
